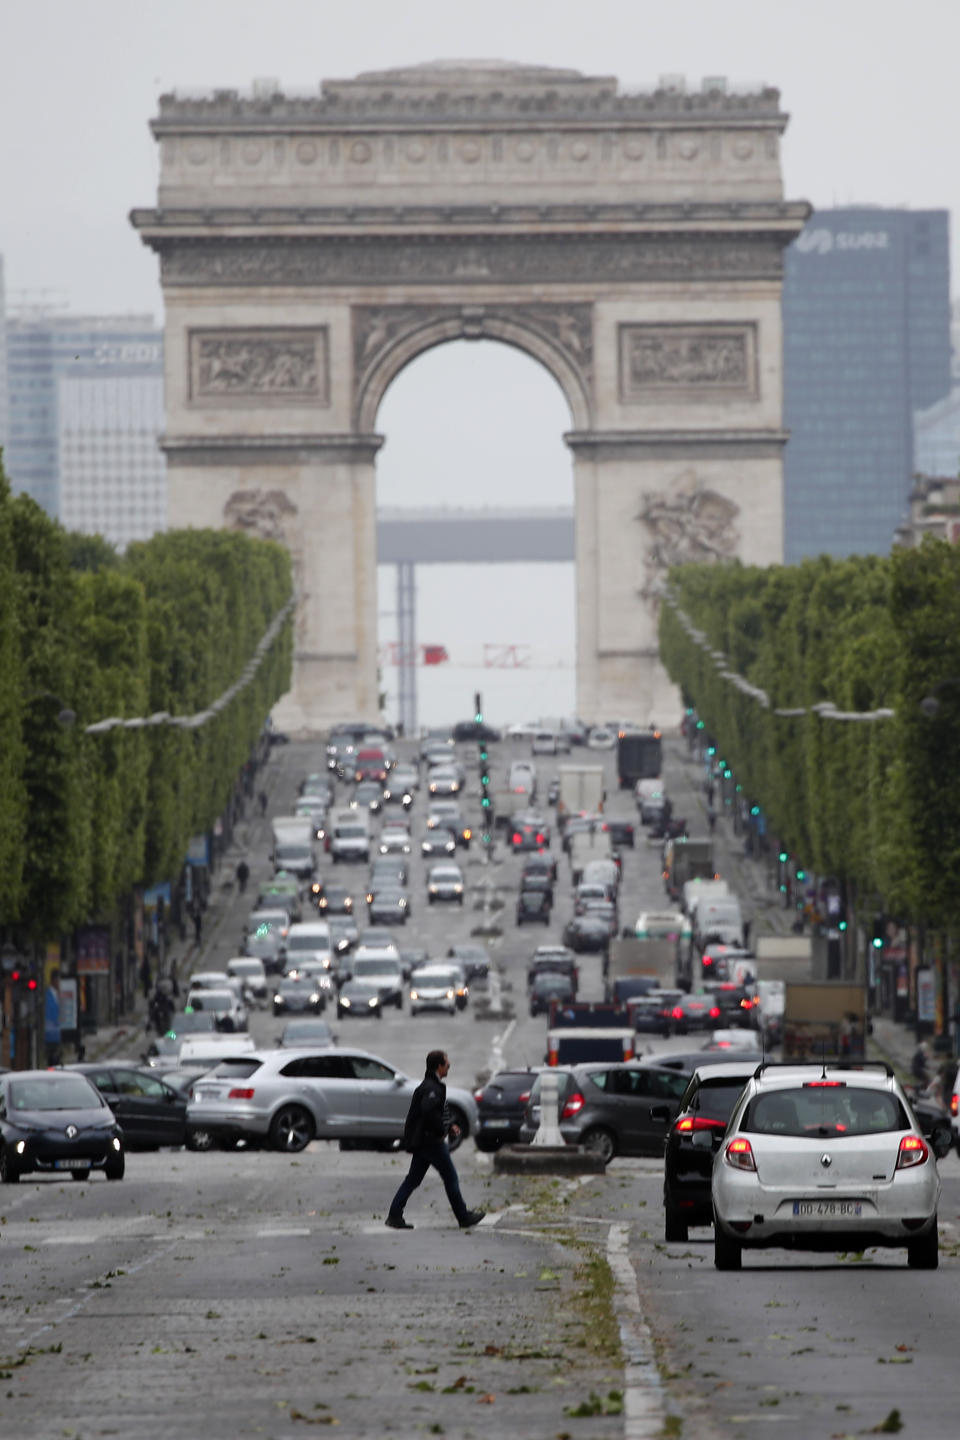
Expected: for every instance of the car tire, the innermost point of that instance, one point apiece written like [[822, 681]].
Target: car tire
[[924, 1252], [291, 1129], [600, 1141], [199, 1139], [675, 1229], [457, 1117], [114, 1169], [486, 1144], [9, 1174], [727, 1252], [79, 1174]]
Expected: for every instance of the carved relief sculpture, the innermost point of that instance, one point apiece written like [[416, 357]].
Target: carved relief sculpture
[[687, 524], [274, 367], [272, 515], [687, 362]]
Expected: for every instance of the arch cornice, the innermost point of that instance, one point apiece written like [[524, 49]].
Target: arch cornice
[[387, 337]]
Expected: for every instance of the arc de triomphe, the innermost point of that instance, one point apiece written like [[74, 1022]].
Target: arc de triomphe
[[311, 247]]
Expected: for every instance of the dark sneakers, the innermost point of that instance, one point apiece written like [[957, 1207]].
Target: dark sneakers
[[472, 1217], [397, 1222]]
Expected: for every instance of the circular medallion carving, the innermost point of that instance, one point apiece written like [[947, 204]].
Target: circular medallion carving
[[306, 152], [360, 152], [526, 150], [580, 150], [689, 149], [470, 152], [415, 152], [198, 153], [742, 149], [252, 152], [634, 149]]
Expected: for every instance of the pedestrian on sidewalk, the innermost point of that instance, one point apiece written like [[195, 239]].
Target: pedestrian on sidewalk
[[243, 875], [425, 1136], [262, 802], [145, 976], [197, 924], [711, 818]]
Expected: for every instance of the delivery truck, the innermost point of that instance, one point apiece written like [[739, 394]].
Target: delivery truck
[[639, 757], [581, 790], [636, 966], [824, 1020], [687, 858], [584, 1031]]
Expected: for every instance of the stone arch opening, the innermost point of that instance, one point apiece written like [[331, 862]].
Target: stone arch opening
[[475, 527]]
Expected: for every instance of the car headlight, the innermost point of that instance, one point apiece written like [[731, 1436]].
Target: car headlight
[[414, 995], [373, 1001], [457, 889], [450, 994], [345, 1001], [386, 794], [402, 903], [433, 789], [21, 1146], [369, 898], [433, 889], [116, 1142], [314, 997]]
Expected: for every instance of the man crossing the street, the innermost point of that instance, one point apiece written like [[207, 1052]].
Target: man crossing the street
[[425, 1137]]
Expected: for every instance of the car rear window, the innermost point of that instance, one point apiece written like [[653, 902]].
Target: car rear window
[[716, 1098], [825, 1109], [236, 1069]]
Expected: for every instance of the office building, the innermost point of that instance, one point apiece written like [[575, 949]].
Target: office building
[[85, 416], [3, 362], [867, 317]]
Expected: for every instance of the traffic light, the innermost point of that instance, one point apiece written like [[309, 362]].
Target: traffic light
[[478, 707], [879, 939], [784, 857]]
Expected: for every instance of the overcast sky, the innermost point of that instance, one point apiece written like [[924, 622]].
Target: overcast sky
[[870, 86]]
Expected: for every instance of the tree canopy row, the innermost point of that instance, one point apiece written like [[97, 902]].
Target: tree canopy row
[[873, 800], [167, 627]]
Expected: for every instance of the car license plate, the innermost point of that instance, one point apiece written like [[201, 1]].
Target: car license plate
[[76, 1164], [496, 1124], [205, 1093], [828, 1209]]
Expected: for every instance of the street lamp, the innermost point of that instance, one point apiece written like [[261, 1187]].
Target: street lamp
[[930, 705]]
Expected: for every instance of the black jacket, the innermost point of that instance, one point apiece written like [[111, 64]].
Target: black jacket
[[427, 1120]]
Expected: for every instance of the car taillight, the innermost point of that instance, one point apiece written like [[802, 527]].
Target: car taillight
[[913, 1151], [706, 959], [714, 1012], [238, 1094], [739, 1154], [572, 1106], [522, 1099], [954, 1104], [690, 1123], [677, 1013], [478, 1096]]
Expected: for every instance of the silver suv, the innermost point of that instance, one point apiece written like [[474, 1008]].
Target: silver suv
[[290, 1097]]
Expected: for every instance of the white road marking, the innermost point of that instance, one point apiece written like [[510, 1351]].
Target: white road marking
[[496, 1048], [643, 1390], [279, 1231]]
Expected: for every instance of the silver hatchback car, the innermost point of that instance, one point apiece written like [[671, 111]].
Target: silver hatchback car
[[287, 1098]]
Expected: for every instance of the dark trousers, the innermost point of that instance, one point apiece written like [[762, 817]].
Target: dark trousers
[[434, 1153]]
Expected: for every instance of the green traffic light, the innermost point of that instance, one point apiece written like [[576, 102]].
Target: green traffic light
[[784, 857], [754, 809], [701, 725], [877, 943], [485, 802], [801, 874], [842, 925]]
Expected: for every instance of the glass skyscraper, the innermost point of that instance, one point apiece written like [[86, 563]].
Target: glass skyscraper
[[866, 317], [85, 415]]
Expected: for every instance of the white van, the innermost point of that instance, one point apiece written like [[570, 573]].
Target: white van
[[350, 836], [310, 940]]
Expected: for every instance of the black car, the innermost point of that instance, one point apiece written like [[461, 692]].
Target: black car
[[150, 1112], [501, 1104], [538, 865], [533, 905], [694, 1139], [621, 832], [56, 1122], [296, 994], [554, 960], [553, 791], [472, 957], [334, 900], [537, 880], [550, 986], [587, 932]]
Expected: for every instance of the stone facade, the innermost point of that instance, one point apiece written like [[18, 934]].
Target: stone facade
[[310, 248]]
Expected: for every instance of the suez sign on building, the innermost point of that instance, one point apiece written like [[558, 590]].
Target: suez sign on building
[[820, 241]]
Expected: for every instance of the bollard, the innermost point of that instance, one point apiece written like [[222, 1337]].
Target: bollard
[[494, 998], [549, 1132]]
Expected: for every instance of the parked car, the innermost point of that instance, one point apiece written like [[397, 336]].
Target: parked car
[[56, 1122], [792, 1123], [501, 1104], [622, 1108], [150, 1111], [290, 1097]]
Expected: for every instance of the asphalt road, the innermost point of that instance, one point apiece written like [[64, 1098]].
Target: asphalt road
[[245, 1293]]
